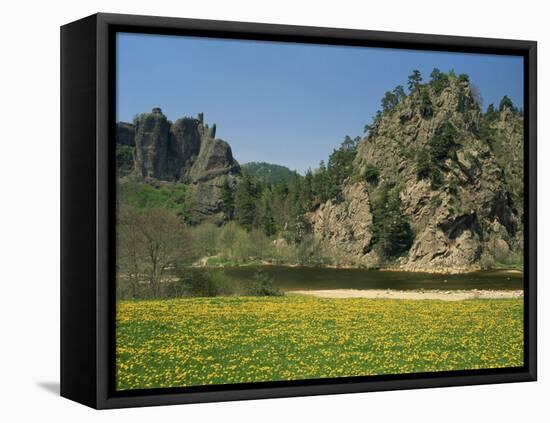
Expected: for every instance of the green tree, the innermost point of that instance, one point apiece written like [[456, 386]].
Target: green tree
[[266, 220], [399, 93], [308, 189], [340, 165], [426, 107], [124, 159], [436, 74], [506, 103], [439, 80], [414, 80], [320, 183], [392, 231], [227, 199], [389, 101], [245, 202], [441, 146]]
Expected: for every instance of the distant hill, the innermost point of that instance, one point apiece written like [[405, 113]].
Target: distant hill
[[270, 172]]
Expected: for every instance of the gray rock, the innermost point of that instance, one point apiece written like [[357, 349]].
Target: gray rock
[[125, 133], [185, 151], [152, 141]]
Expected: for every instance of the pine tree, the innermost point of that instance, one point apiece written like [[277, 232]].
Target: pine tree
[[392, 231], [389, 101], [245, 202], [340, 165], [399, 93], [414, 80], [506, 103], [228, 199]]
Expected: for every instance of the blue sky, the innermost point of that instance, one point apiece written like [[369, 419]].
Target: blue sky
[[284, 103]]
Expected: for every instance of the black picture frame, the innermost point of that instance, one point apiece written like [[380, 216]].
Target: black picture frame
[[87, 208]]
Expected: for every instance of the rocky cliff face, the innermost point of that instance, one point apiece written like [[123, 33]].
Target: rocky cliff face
[[184, 151], [345, 227], [459, 188]]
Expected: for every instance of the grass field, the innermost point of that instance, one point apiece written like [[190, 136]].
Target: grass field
[[203, 341]]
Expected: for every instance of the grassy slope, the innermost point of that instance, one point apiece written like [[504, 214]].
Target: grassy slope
[[201, 341]]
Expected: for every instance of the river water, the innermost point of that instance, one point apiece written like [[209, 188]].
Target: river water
[[311, 278]]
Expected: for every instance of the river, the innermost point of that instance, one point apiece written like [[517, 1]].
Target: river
[[312, 278]]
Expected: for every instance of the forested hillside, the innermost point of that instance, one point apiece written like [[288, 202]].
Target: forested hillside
[[271, 173]]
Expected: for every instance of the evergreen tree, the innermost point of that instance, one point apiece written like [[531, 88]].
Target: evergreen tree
[[506, 103], [441, 144], [340, 165], [320, 183], [414, 80], [308, 189], [436, 74], [228, 199], [439, 80], [245, 202], [440, 147], [389, 101], [426, 107], [399, 93], [392, 231], [266, 219]]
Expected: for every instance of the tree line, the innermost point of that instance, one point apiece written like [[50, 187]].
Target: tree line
[[281, 206]]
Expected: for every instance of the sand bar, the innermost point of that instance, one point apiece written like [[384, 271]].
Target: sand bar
[[456, 295]]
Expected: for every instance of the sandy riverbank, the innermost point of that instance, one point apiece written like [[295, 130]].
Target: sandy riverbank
[[412, 295]]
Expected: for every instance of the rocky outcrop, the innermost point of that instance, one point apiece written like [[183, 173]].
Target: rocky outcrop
[[507, 146], [464, 214], [185, 151], [125, 133], [213, 166], [152, 157], [345, 227]]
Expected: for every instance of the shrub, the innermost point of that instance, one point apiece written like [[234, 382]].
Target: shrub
[[423, 165], [206, 283], [262, 285], [463, 78], [443, 142], [426, 108], [124, 159], [371, 174]]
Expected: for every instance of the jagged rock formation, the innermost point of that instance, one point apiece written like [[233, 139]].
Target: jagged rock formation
[[185, 151], [463, 208]]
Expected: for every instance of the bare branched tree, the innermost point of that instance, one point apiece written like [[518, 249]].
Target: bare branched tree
[[149, 244]]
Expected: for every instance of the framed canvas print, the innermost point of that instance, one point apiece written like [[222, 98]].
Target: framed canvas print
[[254, 211]]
